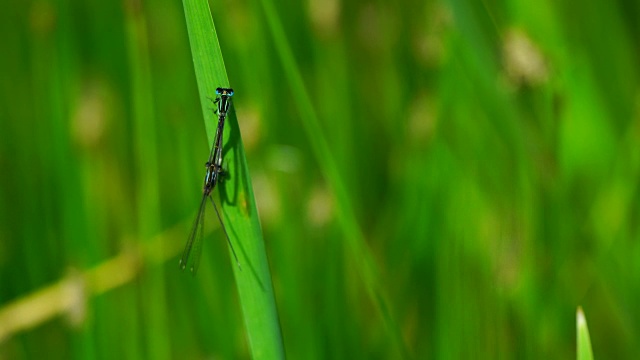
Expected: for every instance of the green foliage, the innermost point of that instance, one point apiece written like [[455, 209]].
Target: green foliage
[[433, 179], [254, 284], [584, 342], [359, 252]]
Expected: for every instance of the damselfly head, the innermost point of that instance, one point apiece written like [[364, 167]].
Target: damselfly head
[[224, 91]]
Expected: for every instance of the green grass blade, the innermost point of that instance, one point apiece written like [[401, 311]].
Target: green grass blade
[[238, 207], [584, 342], [148, 187], [354, 237]]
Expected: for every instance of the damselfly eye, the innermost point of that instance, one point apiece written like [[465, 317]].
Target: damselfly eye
[[218, 91]]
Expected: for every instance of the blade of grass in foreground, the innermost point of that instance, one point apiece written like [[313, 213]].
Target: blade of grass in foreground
[[584, 342], [347, 219], [237, 205]]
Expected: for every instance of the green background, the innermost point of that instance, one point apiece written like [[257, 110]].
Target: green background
[[489, 150]]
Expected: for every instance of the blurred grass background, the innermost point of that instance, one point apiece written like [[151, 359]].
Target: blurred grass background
[[489, 150]]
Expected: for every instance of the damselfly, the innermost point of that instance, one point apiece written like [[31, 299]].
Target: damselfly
[[214, 174]]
